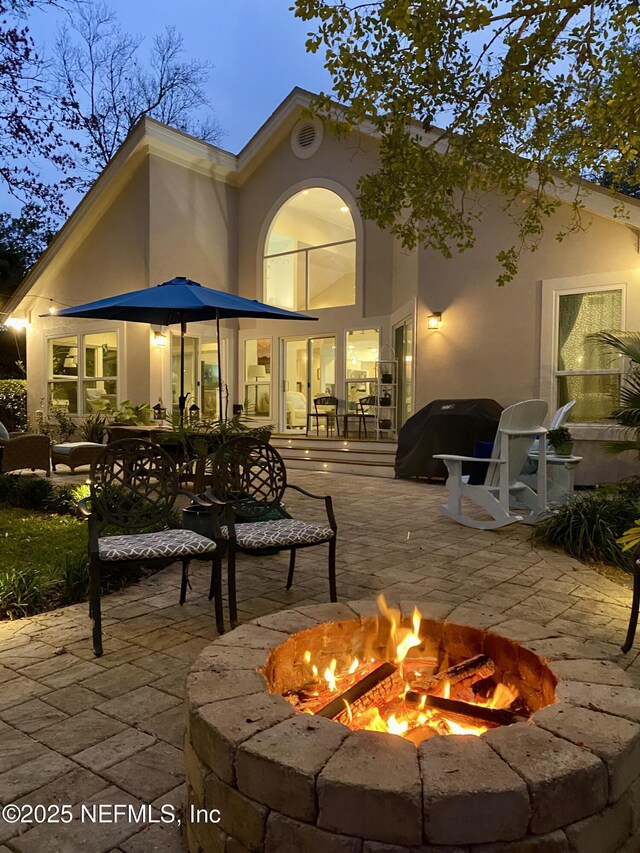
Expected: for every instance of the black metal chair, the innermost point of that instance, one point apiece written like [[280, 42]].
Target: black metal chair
[[250, 479], [134, 485], [366, 403], [635, 607], [329, 407]]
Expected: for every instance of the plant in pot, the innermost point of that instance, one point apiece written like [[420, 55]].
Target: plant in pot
[[386, 373], [561, 441]]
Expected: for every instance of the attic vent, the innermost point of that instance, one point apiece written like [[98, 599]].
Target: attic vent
[[306, 137]]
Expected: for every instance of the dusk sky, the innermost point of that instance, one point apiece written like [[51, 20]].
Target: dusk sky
[[257, 47]]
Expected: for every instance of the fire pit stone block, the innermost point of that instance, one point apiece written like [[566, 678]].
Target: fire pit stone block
[[371, 788], [620, 701], [279, 766], [591, 671], [614, 740], [464, 785], [285, 835], [216, 730], [566, 783], [241, 817]]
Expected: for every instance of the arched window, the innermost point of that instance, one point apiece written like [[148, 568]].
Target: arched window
[[310, 253]]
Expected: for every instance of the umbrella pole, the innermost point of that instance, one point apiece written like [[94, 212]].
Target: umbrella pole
[[182, 399], [222, 418]]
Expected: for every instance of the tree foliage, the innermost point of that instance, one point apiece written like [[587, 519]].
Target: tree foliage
[[107, 85], [30, 132], [531, 93]]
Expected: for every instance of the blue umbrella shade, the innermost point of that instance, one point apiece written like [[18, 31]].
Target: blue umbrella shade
[[180, 301]]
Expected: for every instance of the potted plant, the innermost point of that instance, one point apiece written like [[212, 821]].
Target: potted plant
[[561, 441], [385, 399], [386, 373]]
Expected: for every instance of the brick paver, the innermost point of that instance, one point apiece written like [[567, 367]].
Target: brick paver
[[107, 730]]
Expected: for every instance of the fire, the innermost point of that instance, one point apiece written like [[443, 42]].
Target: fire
[[402, 695]]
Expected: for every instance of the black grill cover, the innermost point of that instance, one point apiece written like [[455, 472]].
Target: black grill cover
[[444, 426]]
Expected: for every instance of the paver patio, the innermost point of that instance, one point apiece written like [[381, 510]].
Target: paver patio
[[75, 729]]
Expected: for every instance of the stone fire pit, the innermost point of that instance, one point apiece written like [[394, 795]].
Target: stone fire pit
[[287, 782]]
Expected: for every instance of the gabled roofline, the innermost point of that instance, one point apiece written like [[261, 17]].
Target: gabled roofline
[[150, 136]]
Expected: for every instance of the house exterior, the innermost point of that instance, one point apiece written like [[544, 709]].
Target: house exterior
[[279, 222]]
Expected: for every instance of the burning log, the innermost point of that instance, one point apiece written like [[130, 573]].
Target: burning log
[[456, 709], [373, 688], [460, 675]]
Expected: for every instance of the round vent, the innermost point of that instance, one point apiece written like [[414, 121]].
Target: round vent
[[306, 137]]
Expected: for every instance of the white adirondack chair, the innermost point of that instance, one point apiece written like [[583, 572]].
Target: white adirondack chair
[[560, 471], [502, 490]]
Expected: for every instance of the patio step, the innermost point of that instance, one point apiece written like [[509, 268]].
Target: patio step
[[350, 456]]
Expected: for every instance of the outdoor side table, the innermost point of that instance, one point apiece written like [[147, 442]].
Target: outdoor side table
[[74, 453]]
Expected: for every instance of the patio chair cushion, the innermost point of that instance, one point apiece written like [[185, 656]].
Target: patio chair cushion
[[281, 533], [154, 546], [67, 447]]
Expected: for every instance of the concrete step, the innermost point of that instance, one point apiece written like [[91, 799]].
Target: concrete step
[[369, 458]]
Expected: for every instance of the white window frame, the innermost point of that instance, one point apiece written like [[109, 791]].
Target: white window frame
[[552, 290], [80, 379], [349, 199]]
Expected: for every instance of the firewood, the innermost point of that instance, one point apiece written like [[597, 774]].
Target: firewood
[[495, 716], [371, 689], [463, 674]]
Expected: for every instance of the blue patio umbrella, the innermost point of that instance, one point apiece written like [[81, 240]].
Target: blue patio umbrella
[[180, 301]]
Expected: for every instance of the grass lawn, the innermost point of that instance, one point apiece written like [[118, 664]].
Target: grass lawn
[[42, 561]]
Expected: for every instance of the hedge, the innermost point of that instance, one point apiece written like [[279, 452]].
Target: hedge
[[13, 404]]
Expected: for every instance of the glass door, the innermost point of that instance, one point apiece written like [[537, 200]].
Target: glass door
[[190, 371], [295, 385], [404, 353], [209, 380], [309, 371]]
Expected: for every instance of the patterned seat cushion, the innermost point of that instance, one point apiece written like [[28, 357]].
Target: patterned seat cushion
[[153, 546], [281, 533]]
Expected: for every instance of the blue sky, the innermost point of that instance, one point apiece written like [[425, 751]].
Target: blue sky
[[257, 47]]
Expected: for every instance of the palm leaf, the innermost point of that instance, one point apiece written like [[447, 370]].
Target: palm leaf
[[624, 343], [630, 538], [616, 447]]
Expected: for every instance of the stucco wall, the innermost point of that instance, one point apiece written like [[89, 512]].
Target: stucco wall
[[489, 342], [107, 254]]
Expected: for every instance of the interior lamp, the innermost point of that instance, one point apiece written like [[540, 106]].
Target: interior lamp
[[434, 320]]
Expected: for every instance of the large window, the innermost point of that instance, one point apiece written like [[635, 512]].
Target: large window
[[585, 372], [83, 372], [310, 253]]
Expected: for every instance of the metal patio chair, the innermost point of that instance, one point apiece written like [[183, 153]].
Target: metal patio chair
[[134, 485], [249, 477]]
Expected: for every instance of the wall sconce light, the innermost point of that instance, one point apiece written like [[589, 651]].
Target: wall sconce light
[[159, 339], [194, 412], [17, 323], [434, 320], [52, 308]]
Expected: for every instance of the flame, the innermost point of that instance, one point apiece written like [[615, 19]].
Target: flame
[[394, 714]]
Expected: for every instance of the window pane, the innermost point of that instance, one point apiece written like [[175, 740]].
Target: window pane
[[63, 357], [362, 353], [64, 395], [595, 396], [332, 276], [209, 384], [257, 374], [313, 217], [581, 315], [100, 396], [285, 278], [101, 354]]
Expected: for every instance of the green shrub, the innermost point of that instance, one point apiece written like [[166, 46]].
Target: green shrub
[[93, 427], [25, 492], [65, 499], [13, 404], [23, 590], [589, 525]]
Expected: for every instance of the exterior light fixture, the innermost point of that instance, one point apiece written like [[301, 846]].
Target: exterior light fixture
[[17, 323], [194, 412], [52, 307], [434, 320], [159, 339]]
